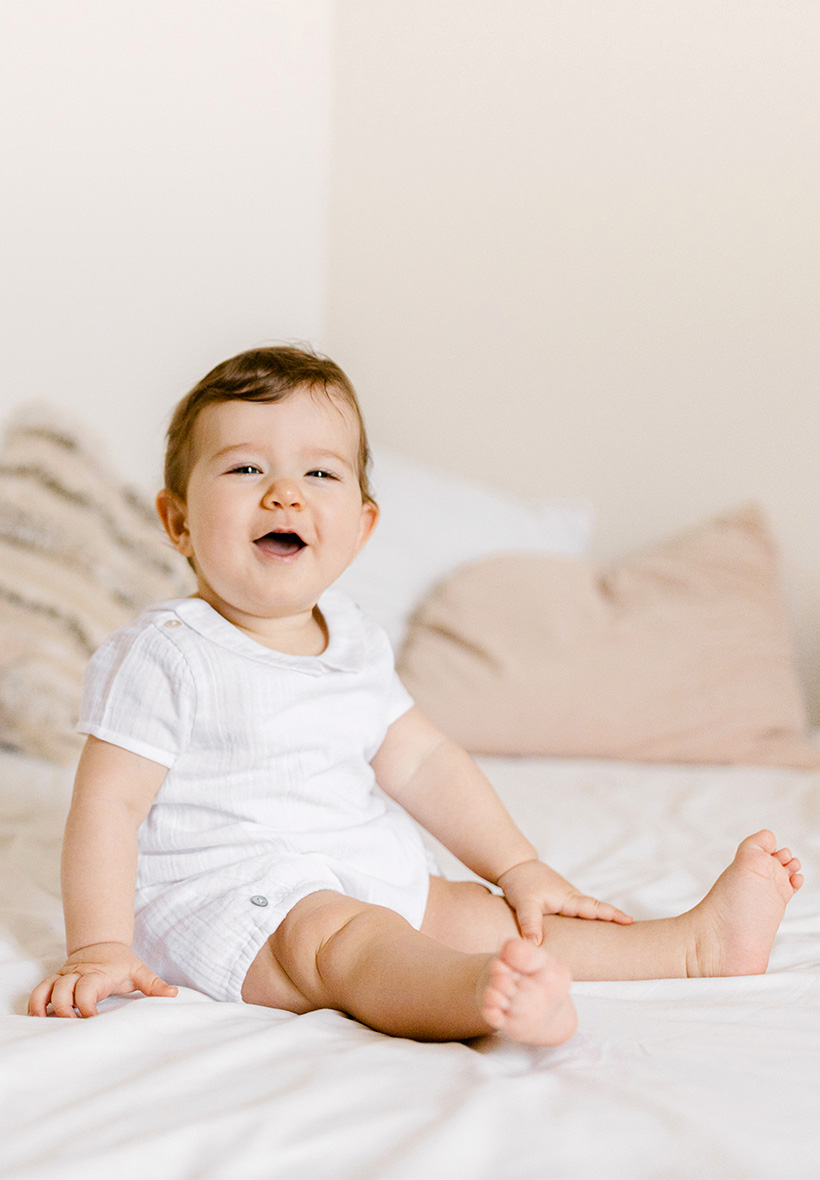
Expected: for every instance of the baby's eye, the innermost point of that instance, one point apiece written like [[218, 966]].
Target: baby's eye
[[320, 473], [245, 469]]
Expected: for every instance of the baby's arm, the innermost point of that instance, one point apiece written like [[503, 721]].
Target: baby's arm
[[113, 792], [441, 786]]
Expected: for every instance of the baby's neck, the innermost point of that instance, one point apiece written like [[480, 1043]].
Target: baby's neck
[[304, 634]]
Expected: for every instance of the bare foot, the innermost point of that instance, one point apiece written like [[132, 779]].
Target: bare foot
[[527, 995], [735, 924]]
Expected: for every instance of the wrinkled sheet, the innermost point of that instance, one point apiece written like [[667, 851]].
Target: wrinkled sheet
[[696, 1078]]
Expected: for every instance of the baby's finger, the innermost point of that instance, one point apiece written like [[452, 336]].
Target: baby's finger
[[90, 989], [151, 985], [611, 913], [530, 921], [582, 906], [62, 997], [39, 998]]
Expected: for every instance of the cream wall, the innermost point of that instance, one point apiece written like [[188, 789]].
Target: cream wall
[[164, 202], [574, 249]]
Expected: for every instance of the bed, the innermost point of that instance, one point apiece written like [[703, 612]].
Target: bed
[[669, 1078], [716, 1078]]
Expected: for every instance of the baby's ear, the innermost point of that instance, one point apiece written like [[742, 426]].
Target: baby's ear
[[174, 515], [370, 518]]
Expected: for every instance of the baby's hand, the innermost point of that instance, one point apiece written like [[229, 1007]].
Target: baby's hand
[[533, 889], [91, 974]]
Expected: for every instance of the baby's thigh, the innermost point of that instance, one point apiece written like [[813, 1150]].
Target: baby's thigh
[[466, 916]]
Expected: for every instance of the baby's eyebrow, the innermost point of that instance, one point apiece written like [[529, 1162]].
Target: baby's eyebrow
[[233, 447], [310, 455], [331, 455]]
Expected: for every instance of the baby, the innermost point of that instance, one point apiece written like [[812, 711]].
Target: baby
[[253, 763]]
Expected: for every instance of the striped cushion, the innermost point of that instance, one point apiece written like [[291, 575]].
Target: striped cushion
[[80, 555]]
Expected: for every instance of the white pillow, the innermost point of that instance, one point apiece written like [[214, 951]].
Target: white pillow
[[432, 522]]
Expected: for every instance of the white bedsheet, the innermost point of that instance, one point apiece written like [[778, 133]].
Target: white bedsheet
[[674, 1078]]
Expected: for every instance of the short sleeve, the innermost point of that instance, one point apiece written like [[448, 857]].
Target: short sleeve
[[399, 700], [139, 694]]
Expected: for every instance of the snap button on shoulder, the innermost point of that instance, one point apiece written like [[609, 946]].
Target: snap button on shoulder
[[172, 623], [258, 899]]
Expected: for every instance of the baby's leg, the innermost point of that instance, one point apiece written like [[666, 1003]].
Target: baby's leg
[[730, 932], [334, 952]]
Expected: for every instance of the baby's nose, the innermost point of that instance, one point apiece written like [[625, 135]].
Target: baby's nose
[[283, 493]]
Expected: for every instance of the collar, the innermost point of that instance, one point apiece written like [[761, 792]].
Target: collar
[[344, 651]]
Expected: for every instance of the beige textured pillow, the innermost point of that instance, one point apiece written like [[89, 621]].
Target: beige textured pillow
[[679, 653], [80, 555]]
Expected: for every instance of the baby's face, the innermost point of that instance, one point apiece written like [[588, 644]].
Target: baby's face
[[273, 513]]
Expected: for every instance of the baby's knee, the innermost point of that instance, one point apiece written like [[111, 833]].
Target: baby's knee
[[323, 943], [310, 926]]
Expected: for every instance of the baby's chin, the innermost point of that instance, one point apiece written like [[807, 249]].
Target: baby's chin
[[277, 590]]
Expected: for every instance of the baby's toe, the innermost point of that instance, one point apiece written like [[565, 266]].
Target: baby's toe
[[496, 1007], [495, 1001], [502, 979], [523, 957], [764, 839]]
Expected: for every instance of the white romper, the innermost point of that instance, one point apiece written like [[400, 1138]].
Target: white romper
[[269, 794]]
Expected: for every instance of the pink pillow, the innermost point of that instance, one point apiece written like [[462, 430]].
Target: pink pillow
[[679, 653]]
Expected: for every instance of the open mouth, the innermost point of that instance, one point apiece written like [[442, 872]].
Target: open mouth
[[280, 544]]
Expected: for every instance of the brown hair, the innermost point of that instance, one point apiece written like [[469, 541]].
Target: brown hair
[[259, 375]]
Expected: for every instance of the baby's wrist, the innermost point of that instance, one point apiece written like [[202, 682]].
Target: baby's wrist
[[108, 944], [516, 864]]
